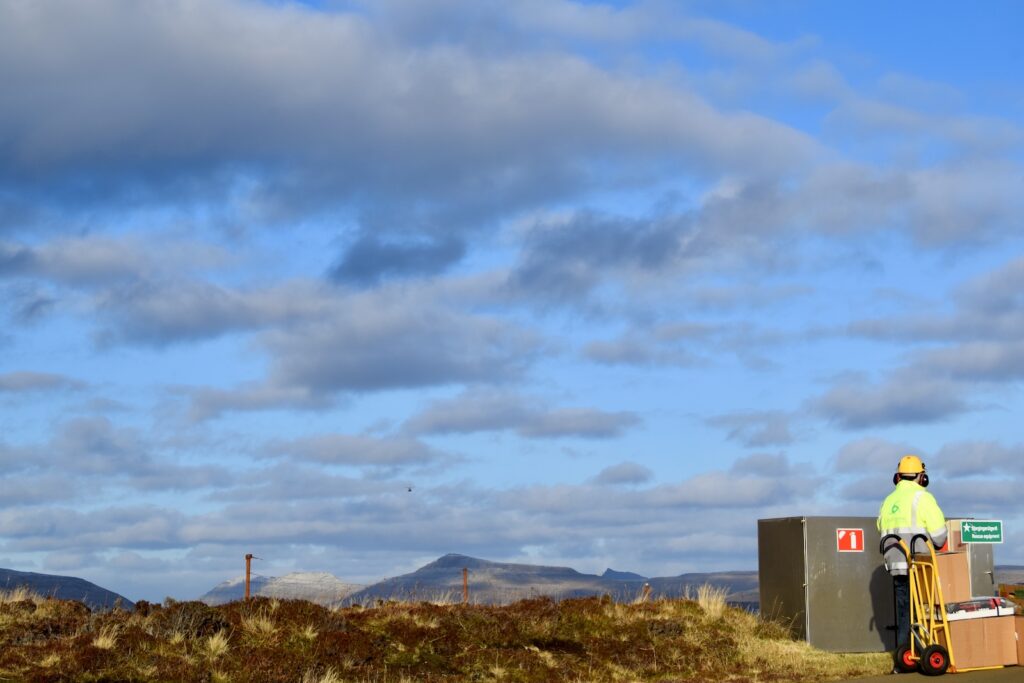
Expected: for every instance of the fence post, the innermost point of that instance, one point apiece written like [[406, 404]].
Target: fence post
[[248, 572], [465, 586], [647, 592]]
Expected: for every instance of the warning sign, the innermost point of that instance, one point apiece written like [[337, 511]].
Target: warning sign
[[850, 540]]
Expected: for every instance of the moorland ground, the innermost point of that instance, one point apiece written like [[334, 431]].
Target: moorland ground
[[263, 640]]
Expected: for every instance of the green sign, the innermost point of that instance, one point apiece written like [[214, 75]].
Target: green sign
[[981, 531]]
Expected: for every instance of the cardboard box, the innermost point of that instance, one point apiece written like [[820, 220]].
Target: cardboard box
[[1018, 622], [985, 641], [954, 576], [954, 542]]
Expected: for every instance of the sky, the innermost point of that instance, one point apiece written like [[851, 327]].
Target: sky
[[352, 285]]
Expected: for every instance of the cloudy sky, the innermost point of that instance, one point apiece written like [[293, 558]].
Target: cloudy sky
[[602, 283]]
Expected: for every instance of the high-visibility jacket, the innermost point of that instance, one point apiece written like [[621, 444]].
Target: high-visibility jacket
[[907, 511]]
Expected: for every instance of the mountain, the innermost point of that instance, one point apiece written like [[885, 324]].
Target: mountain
[[63, 588], [233, 589], [613, 575], [498, 582], [741, 587], [1010, 573], [318, 587]]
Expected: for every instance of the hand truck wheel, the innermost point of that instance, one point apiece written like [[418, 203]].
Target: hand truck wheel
[[934, 660], [904, 661]]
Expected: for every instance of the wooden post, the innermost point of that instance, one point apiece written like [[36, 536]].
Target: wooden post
[[465, 586], [248, 572], [647, 592]]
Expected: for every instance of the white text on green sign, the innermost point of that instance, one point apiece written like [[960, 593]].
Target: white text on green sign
[[981, 531]]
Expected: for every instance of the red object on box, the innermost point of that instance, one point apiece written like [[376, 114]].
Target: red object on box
[[975, 604]]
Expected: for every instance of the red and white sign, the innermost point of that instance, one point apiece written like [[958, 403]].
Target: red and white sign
[[850, 540]]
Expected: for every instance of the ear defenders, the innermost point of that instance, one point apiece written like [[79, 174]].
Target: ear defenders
[[922, 475]]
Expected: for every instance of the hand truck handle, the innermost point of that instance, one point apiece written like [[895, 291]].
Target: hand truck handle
[[882, 547], [913, 541]]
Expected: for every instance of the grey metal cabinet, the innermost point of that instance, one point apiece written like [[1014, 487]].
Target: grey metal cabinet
[[836, 595], [837, 600]]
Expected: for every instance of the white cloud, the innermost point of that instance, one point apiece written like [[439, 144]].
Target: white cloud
[[97, 260], [756, 430], [337, 110], [623, 473], [530, 417], [102, 456], [871, 454], [383, 342], [347, 449], [27, 381], [904, 398], [980, 458], [208, 403]]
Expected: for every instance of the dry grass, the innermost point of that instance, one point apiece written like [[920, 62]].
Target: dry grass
[[19, 594], [49, 661], [328, 676], [107, 638], [260, 627], [216, 645], [283, 641], [712, 600]]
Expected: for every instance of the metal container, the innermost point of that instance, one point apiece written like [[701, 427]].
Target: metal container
[[983, 571], [834, 593]]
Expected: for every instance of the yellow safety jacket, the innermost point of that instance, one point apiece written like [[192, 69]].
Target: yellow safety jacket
[[907, 511]]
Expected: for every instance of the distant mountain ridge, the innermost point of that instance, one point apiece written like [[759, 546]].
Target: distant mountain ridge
[[500, 582], [233, 589], [613, 575], [1010, 573], [319, 587], [489, 582], [63, 588]]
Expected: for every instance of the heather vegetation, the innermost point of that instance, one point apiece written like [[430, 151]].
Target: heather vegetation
[[295, 641]]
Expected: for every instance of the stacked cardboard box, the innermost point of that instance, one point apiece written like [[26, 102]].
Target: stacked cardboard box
[[982, 642], [1018, 622], [989, 635], [954, 540], [954, 575]]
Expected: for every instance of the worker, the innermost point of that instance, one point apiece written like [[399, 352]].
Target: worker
[[908, 511]]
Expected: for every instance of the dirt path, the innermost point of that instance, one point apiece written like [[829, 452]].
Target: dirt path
[[1004, 675]]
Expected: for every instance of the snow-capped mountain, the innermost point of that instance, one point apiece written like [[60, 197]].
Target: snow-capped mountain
[[319, 587]]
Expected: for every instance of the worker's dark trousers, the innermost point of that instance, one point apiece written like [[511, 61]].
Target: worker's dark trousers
[[901, 590]]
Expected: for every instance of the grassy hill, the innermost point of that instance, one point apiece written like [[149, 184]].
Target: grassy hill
[[267, 641]]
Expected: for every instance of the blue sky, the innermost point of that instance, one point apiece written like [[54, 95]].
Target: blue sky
[[603, 284]]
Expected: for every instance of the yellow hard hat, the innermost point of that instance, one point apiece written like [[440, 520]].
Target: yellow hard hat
[[910, 464]]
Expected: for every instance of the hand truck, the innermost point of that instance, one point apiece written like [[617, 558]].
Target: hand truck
[[930, 648]]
